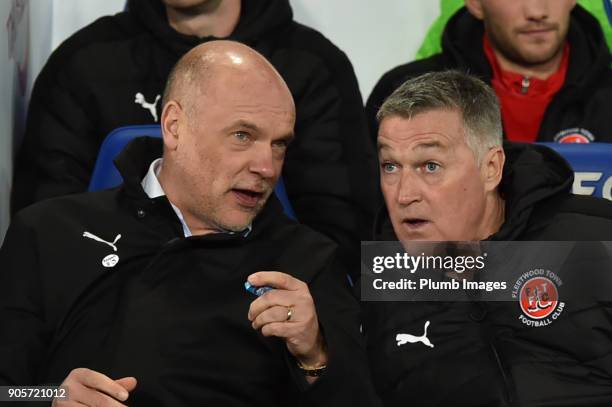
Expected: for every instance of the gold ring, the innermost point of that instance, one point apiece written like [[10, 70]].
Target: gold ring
[[289, 313]]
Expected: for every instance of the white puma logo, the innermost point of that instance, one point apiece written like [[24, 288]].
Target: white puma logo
[[403, 339], [152, 107], [96, 238]]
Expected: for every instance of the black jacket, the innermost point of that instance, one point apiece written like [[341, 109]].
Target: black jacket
[[483, 354], [581, 106], [173, 310], [88, 87]]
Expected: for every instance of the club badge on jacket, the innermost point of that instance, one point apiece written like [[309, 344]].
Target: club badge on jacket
[[112, 259]]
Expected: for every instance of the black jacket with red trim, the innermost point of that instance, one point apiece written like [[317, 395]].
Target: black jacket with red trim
[[581, 107]]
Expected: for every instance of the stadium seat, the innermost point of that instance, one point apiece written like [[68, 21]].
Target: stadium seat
[[105, 174], [592, 164]]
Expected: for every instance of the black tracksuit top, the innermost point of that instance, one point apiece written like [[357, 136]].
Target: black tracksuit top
[[483, 355]]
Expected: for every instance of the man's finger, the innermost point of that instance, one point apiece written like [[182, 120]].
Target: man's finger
[[91, 397], [273, 314], [270, 299], [278, 329], [98, 381], [275, 279], [128, 383], [66, 403]]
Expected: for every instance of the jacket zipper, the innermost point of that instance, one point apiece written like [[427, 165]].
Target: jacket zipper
[[525, 85], [507, 383]]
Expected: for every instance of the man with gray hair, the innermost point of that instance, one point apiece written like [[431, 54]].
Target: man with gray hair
[[446, 176], [441, 158]]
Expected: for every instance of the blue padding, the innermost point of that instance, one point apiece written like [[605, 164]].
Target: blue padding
[[592, 164], [105, 174], [608, 8]]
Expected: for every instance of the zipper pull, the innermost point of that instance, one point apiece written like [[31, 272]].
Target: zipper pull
[[525, 85]]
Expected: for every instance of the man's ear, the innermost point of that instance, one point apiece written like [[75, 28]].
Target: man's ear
[[171, 119], [492, 168], [475, 8]]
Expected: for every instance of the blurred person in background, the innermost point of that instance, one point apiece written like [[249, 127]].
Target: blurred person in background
[[547, 61]]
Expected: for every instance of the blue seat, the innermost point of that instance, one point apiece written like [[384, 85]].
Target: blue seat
[[592, 164], [105, 174]]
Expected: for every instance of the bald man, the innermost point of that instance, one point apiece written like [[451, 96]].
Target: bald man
[[82, 94], [137, 295]]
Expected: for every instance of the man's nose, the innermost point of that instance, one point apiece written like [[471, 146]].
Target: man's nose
[[536, 9], [409, 190], [264, 163]]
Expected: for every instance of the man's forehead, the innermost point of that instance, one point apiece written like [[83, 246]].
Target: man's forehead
[[259, 126], [431, 130], [252, 96], [423, 142]]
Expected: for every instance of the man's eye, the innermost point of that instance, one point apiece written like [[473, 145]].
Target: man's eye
[[242, 136], [280, 144], [431, 167], [389, 167]]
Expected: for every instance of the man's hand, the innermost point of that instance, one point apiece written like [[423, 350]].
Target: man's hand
[[90, 388], [271, 311]]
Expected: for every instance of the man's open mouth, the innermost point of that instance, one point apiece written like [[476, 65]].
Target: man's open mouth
[[415, 223], [247, 197]]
